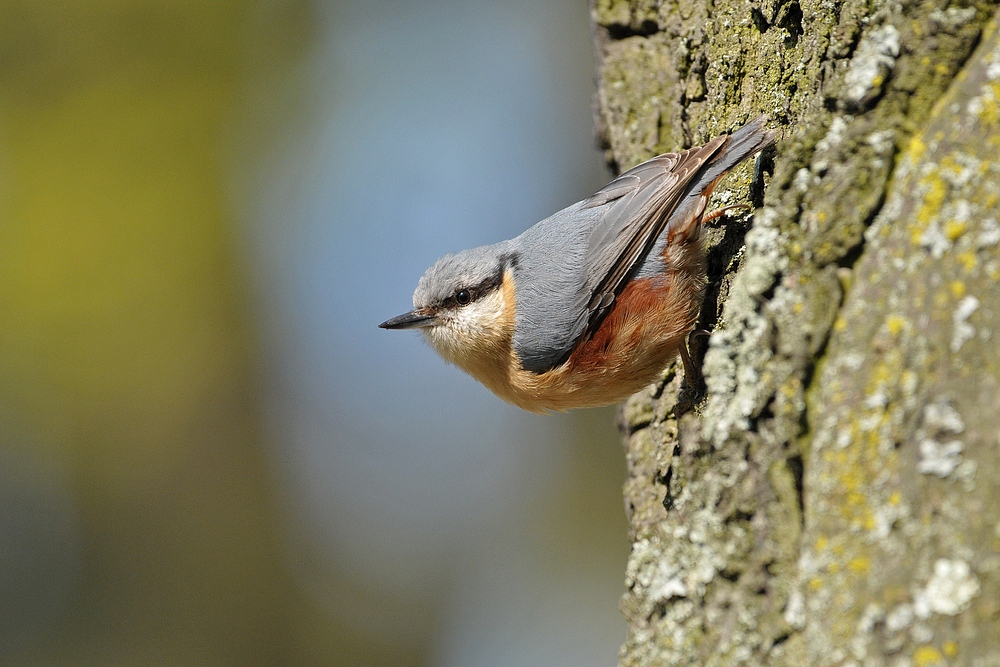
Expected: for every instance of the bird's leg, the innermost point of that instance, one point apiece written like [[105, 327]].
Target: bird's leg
[[719, 212], [692, 373], [694, 382]]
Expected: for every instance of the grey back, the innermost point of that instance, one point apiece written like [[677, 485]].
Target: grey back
[[570, 267]]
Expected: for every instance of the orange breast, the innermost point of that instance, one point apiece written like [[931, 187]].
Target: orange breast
[[638, 338]]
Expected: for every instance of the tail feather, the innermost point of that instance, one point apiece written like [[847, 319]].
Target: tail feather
[[744, 142]]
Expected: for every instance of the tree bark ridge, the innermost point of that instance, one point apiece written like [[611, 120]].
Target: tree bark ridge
[[829, 501]]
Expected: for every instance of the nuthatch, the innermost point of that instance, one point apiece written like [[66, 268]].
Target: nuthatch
[[589, 305]]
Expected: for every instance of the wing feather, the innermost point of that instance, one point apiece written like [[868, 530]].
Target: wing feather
[[583, 256], [638, 207]]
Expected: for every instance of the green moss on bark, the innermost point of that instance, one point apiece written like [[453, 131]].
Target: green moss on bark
[[797, 515]]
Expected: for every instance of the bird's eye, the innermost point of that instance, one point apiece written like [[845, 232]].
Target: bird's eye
[[463, 297]]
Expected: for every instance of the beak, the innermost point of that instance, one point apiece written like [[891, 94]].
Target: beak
[[410, 320]]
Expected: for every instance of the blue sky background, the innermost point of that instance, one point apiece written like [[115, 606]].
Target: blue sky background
[[425, 128]]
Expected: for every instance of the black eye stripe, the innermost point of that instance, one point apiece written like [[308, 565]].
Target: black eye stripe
[[463, 296]]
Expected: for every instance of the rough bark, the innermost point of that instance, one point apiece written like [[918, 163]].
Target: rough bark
[[834, 498]]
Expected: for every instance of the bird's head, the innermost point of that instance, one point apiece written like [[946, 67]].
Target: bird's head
[[464, 305]]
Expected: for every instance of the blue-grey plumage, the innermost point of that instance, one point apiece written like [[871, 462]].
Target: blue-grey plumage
[[530, 317]]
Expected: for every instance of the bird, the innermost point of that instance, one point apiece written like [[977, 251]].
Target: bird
[[591, 304]]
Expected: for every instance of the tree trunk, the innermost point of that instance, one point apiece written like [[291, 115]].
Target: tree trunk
[[834, 499]]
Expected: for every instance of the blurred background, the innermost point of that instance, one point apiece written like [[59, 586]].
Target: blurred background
[[209, 454]]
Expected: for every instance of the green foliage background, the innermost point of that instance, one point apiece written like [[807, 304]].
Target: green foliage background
[[127, 355]]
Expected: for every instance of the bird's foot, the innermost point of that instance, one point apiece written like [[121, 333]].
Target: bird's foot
[[694, 382]]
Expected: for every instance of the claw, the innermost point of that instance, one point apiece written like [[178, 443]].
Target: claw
[[719, 212]]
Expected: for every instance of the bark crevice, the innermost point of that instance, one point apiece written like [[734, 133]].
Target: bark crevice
[[778, 521]]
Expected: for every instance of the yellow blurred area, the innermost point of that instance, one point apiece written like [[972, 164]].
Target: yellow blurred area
[[127, 353]]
